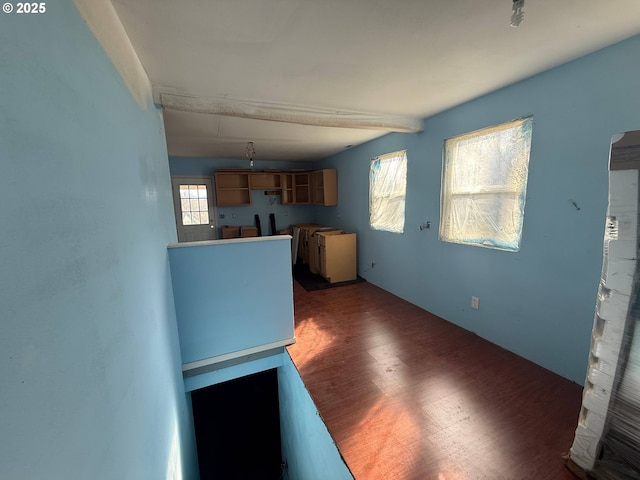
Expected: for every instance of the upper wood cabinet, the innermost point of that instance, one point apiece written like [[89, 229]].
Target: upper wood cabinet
[[266, 180], [286, 181], [320, 187], [324, 187], [232, 188], [301, 188]]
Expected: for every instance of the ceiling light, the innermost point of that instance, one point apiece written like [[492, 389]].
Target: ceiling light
[[517, 15]]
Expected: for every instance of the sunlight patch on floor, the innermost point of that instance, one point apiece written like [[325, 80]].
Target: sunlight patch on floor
[[386, 423], [321, 340]]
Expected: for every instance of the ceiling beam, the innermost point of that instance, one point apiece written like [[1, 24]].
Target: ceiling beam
[[302, 115]]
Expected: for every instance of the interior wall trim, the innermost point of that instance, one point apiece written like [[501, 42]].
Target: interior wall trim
[[186, 367]]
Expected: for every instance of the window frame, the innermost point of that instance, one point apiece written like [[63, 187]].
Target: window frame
[[374, 223], [510, 212]]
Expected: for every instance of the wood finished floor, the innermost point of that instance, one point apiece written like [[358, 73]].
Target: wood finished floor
[[407, 395]]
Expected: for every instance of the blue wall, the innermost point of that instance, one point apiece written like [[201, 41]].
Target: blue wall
[[261, 204], [539, 302], [90, 363], [232, 295], [307, 446]]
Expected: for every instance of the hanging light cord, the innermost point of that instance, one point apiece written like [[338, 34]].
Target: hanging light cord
[[517, 15], [250, 152]]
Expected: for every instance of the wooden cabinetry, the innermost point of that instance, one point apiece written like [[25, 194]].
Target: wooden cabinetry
[[286, 180], [232, 188], [301, 188], [266, 181], [337, 256], [324, 187], [238, 232]]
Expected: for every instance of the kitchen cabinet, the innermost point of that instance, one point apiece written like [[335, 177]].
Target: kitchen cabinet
[[337, 256], [229, 231], [314, 248], [286, 180], [301, 188], [320, 187], [324, 187], [232, 188], [266, 181]]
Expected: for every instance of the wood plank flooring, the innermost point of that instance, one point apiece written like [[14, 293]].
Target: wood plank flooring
[[407, 395]]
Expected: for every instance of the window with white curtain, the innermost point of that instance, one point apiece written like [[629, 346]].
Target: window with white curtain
[[484, 182], [387, 190]]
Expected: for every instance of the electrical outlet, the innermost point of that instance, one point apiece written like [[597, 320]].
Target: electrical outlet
[[475, 303]]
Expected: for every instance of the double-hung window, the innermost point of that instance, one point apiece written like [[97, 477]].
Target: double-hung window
[[387, 190], [484, 182]]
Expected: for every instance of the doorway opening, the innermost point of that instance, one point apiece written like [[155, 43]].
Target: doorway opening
[[194, 208], [237, 426]]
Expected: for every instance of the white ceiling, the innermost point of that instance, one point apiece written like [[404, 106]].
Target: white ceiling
[[383, 59]]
